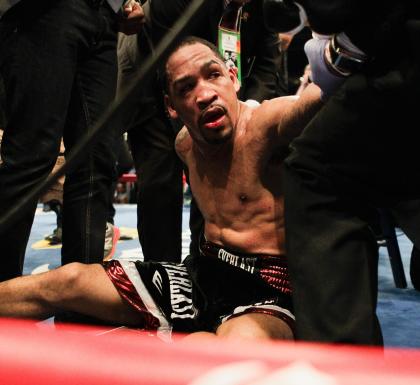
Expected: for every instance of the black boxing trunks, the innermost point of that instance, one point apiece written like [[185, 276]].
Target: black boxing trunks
[[272, 269], [203, 291]]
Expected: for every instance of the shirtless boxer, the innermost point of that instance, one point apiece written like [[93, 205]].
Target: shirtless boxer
[[238, 286]]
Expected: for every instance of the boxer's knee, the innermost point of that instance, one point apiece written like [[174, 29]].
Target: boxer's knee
[[255, 326], [64, 284]]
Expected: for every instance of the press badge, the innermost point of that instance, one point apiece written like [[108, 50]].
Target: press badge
[[229, 37]]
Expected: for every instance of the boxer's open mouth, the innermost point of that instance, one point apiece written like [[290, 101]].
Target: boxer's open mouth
[[213, 117]]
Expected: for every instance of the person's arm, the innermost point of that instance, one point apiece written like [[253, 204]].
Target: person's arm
[[298, 113], [286, 117], [294, 116], [332, 60], [132, 18]]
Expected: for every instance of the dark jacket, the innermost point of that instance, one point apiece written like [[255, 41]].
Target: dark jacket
[[260, 51]]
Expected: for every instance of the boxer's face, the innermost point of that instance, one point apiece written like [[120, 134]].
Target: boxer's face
[[202, 93]]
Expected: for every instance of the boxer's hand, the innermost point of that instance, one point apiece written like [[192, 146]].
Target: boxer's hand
[[132, 18], [322, 73]]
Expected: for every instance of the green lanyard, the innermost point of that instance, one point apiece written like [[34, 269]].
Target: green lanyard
[[229, 37]]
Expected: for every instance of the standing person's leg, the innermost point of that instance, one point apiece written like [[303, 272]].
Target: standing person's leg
[[407, 215], [159, 170], [123, 165], [160, 195], [329, 184], [36, 62], [54, 199], [333, 263], [87, 185], [347, 161]]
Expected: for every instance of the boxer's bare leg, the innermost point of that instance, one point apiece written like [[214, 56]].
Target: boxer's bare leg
[[255, 326], [77, 287], [250, 326]]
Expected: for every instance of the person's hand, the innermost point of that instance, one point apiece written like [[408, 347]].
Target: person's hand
[[132, 19], [285, 40], [322, 74], [304, 80]]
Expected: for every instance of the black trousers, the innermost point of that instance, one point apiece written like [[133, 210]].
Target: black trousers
[[58, 62], [159, 187], [356, 155]]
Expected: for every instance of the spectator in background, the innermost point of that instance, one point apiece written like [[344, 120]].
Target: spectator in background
[[58, 62]]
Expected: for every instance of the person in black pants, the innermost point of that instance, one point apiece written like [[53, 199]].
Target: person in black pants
[[151, 134], [58, 62], [355, 156]]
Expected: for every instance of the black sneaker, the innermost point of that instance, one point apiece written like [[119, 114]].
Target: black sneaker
[[56, 237], [46, 208]]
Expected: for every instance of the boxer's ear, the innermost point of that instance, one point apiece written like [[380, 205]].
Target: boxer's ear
[[169, 107], [233, 74]]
